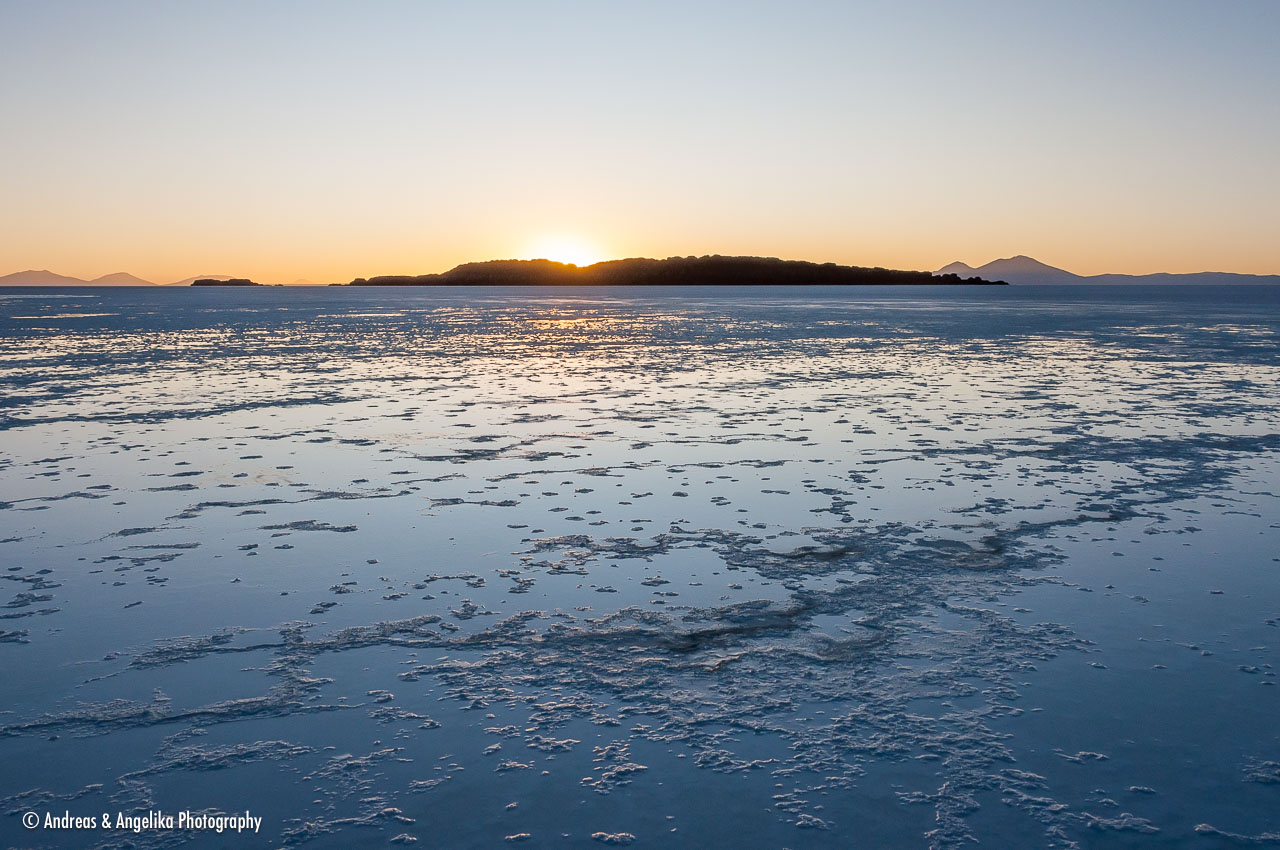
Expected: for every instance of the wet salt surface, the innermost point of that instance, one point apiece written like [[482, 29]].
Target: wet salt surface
[[893, 567]]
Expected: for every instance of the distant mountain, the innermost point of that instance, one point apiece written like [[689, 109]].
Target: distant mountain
[[673, 271], [1193, 279], [1025, 271], [957, 268], [119, 279], [44, 277]]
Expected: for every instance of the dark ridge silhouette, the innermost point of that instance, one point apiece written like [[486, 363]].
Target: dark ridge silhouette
[[673, 271], [235, 281]]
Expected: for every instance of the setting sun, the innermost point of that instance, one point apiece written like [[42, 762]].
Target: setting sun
[[564, 249]]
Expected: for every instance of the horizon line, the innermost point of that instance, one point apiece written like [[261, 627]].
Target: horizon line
[[307, 282]]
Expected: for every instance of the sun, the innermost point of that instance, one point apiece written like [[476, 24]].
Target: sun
[[564, 249]]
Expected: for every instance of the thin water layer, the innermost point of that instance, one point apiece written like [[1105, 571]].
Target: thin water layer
[[797, 568]]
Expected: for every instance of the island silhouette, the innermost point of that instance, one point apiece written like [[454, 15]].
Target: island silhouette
[[714, 270], [232, 281]]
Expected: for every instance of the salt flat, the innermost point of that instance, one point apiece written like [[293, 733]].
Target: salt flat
[[823, 567]]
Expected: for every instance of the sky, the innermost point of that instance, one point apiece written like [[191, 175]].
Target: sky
[[328, 140]]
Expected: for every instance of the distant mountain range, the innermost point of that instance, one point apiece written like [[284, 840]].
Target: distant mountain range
[[1020, 270], [1026, 271], [44, 277]]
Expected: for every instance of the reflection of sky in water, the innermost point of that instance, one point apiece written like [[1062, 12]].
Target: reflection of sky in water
[[868, 565]]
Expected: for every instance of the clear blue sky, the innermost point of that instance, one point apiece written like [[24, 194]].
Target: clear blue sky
[[330, 139]]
